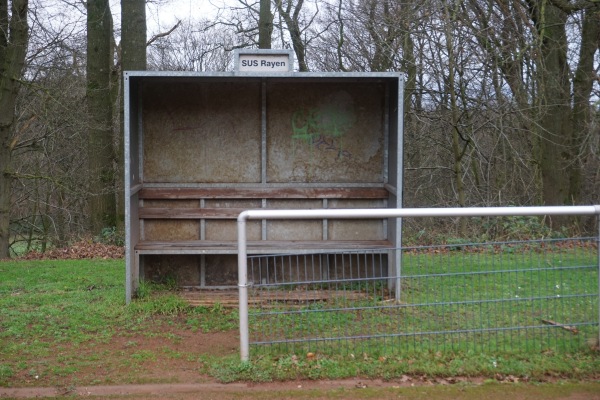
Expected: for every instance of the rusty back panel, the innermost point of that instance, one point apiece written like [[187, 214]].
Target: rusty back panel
[[204, 132], [295, 230], [356, 229], [171, 229], [227, 229], [184, 269], [221, 269], [325, 132]]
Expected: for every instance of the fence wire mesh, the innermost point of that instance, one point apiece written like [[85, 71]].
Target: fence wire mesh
[[512, 296]]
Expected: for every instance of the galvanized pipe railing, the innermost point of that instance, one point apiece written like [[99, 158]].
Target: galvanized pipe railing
[[373, 214]]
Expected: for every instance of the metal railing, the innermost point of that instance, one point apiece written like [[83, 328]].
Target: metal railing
[[527, 295]]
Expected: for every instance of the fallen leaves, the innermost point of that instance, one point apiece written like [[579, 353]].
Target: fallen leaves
[[79, 251]]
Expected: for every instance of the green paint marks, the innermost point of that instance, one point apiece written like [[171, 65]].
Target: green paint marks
[[323, 127]]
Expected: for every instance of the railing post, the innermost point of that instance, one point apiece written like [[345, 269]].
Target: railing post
[[398, 273], [243, 287]]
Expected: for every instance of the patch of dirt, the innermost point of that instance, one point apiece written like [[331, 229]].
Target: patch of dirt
[[158, 352], [174, 357]]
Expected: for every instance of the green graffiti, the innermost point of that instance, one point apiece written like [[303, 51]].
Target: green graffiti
[[304, 126], [323, 127]]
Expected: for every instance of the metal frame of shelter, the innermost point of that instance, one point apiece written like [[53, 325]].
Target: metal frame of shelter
[[137, 178]]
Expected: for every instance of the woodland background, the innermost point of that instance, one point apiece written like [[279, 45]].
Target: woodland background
[[502, 100]]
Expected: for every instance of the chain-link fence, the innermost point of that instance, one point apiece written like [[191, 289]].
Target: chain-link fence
[[512, 296]]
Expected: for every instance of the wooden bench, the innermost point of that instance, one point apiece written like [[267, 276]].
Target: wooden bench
[[169, 209], [265, 195]]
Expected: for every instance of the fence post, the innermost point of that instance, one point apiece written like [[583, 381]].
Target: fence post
[[243, 287], [398, 273]]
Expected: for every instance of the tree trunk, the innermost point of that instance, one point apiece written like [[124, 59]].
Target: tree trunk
[[14, 36], [458, 149], [409, 67], [5, 190], [133, 35], [582, 89], [265, 25], [555, 116], [100, 144], [133, 58]]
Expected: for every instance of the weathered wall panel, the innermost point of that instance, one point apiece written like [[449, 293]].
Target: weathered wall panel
[[325, 132], [171, 229], [183, 269], [202, 132], [356, 229], [221, 270], [295, 230], [227, 229]]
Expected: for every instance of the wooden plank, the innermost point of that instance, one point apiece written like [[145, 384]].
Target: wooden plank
[[189, 213], [263, 193], [276, 246], [186, 245]]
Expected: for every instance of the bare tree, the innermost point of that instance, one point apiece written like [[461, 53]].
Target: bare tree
[[554, 101], [14, 36], [48, 166], [49, 195], [243, 21], [287, 23], [100, 147]]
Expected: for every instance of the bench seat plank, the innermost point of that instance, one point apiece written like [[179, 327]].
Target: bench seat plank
[[263, 193], [191, 213], [258, 247]]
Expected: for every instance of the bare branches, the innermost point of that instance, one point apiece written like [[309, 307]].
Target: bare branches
[[194, 46], [163, 34], [292, 20]]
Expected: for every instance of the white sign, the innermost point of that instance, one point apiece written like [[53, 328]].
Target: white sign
[[264, 61]]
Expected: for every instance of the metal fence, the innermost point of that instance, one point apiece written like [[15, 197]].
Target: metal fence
[[517, 296]]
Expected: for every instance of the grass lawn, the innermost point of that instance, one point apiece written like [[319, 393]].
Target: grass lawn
[[64, 323]]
